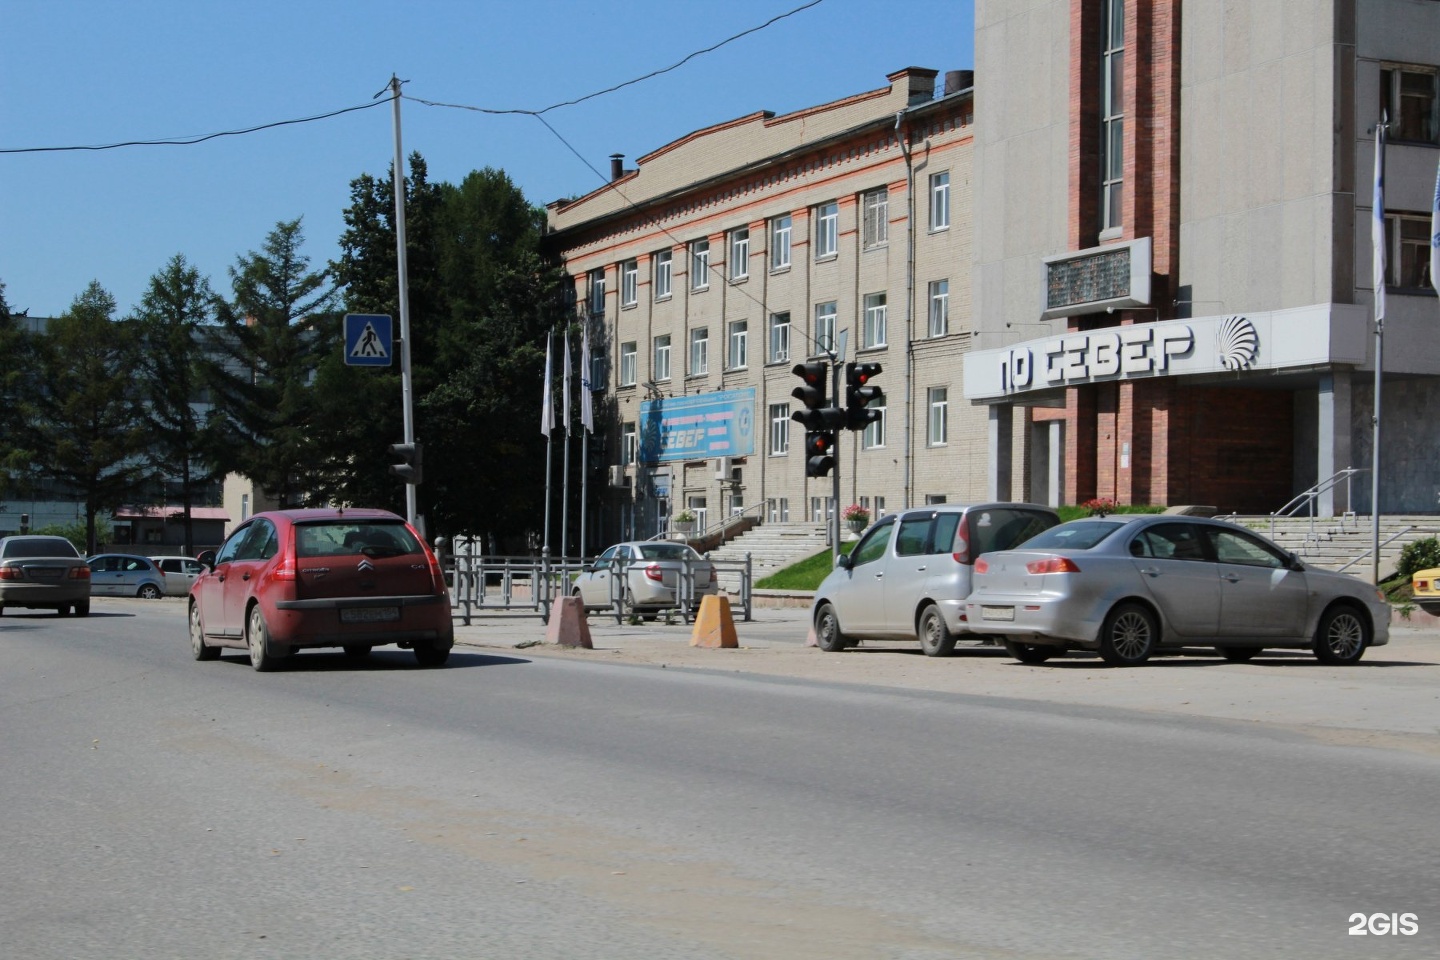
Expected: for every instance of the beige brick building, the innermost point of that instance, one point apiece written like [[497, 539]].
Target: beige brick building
[[731, 255]]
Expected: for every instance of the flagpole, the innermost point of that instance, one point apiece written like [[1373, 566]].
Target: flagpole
[[547, 418], [587, 424], [565, 485], [1378, 237]]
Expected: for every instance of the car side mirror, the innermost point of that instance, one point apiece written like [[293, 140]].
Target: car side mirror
[[207, 559], [844, 562]]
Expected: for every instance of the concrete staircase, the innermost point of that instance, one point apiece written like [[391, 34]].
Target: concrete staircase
[[1334, 542], [773, 546]]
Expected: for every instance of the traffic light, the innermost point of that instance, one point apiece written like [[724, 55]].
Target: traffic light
[[409, 471], [859, 395], [819, 456], [816, 415]]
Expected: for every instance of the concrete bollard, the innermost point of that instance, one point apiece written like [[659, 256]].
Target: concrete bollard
[[714, 627], [568, 626]]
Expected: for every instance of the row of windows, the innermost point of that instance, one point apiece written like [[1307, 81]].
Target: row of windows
[[874, 230], [874, 333]]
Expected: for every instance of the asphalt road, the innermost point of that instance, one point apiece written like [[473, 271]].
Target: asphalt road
[[595, 804]]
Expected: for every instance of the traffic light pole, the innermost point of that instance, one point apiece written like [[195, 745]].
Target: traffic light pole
[[406, 388]]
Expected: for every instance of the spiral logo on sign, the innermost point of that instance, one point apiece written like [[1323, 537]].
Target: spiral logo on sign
[[1237, 342]]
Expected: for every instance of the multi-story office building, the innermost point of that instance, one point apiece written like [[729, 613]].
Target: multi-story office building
[[727, 257], [1173, 283]]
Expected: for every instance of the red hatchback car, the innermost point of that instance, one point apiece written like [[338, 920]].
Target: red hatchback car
[[289, 579]]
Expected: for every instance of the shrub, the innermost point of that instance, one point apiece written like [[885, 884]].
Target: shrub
[[1419, 555]]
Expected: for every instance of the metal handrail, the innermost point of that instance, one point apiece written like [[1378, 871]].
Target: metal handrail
[[1388, 540], [1308, 498], [718, 527]]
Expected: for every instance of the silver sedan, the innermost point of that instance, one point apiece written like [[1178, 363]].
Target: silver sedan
[[1129, 585], [647, 577]]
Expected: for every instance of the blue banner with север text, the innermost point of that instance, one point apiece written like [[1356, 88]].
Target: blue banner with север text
[[698, 426]]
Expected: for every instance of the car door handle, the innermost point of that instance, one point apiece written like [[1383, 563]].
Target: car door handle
[[245, 575], [920, 569], [879, 576], [1232, 577], [1150, 571]]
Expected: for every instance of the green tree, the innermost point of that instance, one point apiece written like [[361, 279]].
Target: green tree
[[17, 386], [270, 341], [91, 430], [177, 302]]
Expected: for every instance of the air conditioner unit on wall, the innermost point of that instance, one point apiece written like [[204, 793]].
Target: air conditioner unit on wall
[[722, 468], [617, 476]]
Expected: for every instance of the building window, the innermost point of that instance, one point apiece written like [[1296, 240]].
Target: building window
[[662, 358], [872, 333], [874, 436], [939, 425], [629, 444], [940, 201], [1407, 251], [595, 298], [661, 263], [629, 283], [699, 264], [875, 223], [827, 230], [627, 364], [1410, 97], [740, 253], [739, 344], [699, 351], [779, 429], [779, 509], [780, 242], [939, 307], [822, 509], [1112, 113], [779, 337], [824, 338]]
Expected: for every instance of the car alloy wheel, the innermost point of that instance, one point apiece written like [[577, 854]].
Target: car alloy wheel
[[262, 655], [1342, 636], [198, 646], [1129, 636], [149, 591], [936, 640]]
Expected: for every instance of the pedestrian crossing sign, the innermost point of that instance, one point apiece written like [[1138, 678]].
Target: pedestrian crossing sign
[[369, 340]]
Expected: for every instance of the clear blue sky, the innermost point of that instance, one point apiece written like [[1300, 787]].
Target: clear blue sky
[[96, 72]]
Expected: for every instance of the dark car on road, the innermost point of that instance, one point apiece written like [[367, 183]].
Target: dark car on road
[[286, 580], [43, 572]]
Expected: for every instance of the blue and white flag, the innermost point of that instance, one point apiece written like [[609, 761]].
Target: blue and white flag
[[547, 406], [587, 402], [1377, 223]]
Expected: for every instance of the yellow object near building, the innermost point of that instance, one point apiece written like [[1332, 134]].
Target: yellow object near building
[[1425, 588]]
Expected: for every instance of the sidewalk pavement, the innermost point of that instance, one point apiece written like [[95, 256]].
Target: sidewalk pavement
[[1391, 698]]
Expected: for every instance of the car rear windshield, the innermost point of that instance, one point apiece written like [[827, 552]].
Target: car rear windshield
[[39, 547], [1000, 528], [1076, 535], [341, 537], [667, 551]]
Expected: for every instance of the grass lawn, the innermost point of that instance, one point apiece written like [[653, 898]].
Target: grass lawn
[[805, 575]]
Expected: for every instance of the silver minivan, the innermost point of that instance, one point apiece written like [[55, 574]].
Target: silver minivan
[[909, 575]]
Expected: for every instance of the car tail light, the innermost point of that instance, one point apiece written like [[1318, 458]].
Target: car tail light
[[1422, 584], [15, 573], [1052, 565], [80, 573], [285, 569], [980, 565], [437, 574], [962, 544], [653, 572]]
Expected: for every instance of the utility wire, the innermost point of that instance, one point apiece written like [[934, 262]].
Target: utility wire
[[190, 141]]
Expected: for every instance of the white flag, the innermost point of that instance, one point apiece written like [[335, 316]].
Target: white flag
[[1377, 225], [587, 404], [1435, 234], [567, 382], [547, 407]]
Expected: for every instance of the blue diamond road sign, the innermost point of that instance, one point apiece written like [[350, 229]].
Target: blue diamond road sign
[[369, 340]]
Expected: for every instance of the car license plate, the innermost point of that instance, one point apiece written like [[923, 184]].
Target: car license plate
[[997, 613], [369, 614]]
